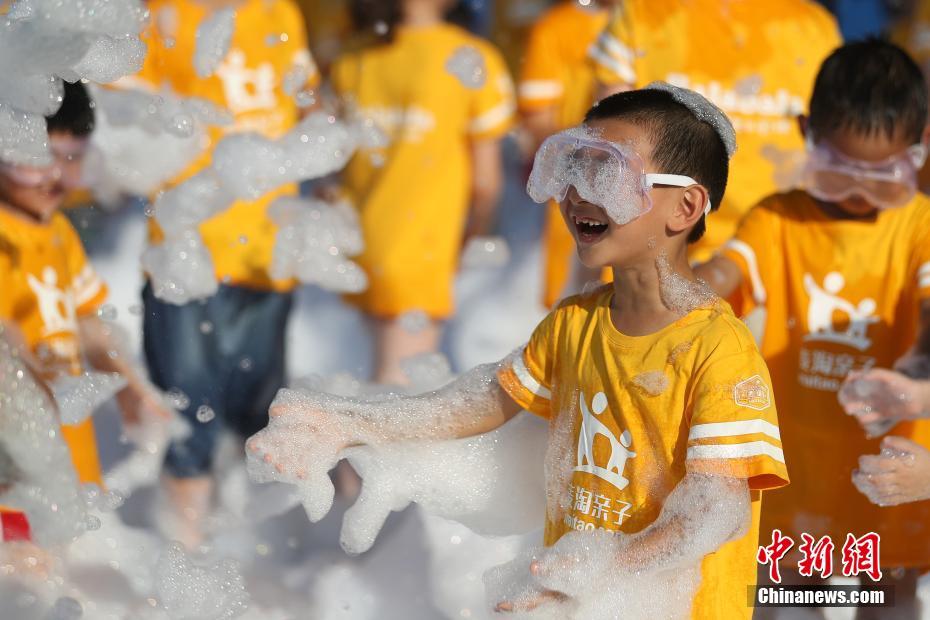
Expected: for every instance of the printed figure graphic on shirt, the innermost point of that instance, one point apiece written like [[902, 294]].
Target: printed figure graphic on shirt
[[56, 306], [591, 428], [825, 302]]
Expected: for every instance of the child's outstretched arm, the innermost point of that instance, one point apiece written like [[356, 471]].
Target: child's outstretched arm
[[308, 430], [701, 514], [721, 273], [104, 352]]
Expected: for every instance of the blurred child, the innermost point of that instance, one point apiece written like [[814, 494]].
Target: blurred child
[[840, 270], [49, 292], [227, 354], [760, 72], [557, 85], [656, 389], [444, 100]]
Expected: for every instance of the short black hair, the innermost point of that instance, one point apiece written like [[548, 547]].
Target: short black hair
[[76, 114], [682, 143], [869, 87]]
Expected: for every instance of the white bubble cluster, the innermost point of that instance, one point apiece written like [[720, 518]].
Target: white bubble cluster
[[78, 397], [315, 242], [467, 65], [191, 592], [678, 293], [491, 482], [245, 166], [214, 36], [593, 573], [704, 110], [143, 140], [45, 484], [45, 41]]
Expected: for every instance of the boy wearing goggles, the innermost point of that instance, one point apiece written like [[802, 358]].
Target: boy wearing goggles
[[49, 292], [840, 269], [656, 388]]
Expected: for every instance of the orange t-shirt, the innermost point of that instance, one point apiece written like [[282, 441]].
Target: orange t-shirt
[[269, 40], [641, 412], [46, 285], [839, 295]]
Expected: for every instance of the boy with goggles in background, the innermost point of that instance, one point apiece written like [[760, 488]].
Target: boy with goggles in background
[[841, 270], [654, 390]]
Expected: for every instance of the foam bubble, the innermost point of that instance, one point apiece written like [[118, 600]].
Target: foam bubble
[[653, 383], [78, 397], [214, 36], [485, 253], [467, 65], [180, 268], [679, 294], [188, 591], [704, 110]]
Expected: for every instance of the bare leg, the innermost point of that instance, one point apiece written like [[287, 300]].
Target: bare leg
[[189, 502], [394, 343]]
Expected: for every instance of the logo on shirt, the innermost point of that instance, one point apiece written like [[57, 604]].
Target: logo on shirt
[[56, 306], [246, 89], [591, 428], [823, 306], [752, 393]]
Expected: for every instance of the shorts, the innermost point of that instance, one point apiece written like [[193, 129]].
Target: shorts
[[226, 355]]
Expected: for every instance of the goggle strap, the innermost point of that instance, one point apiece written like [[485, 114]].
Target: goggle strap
[[675, 180]]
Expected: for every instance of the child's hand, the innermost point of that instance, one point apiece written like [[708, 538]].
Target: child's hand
[[523, 606], [139, 402], [879, 397], [302, 443], [900, 474]]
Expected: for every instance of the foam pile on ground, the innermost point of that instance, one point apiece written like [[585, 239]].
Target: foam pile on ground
[[214, 36], [315, 242], [78, 397], [191, 592], [142, 140], [45, 41], [491, 482], [244, 166], [45, 486]]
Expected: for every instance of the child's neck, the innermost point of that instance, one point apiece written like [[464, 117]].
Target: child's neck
[[22, 214], [419, 14], [637, 307]]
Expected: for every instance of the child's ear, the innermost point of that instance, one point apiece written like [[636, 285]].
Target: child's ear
[[690, 208], [925, 137]]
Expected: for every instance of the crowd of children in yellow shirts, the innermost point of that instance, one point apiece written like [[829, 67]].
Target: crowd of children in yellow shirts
[[836, 275]]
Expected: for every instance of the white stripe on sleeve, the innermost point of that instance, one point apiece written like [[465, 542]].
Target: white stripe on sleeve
[[736, 451], [734, 429], [743, 249], [528, 380]]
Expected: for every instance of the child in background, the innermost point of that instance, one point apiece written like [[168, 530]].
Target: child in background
[[654, 380], [444, 100], [755, 59], [557, 85], [840, 269], [227, 354], [49, 292]]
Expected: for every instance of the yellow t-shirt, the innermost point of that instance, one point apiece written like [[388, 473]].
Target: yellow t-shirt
[[433, 91], [46, 284], [269, 40], [692, 397], [755, 59], [840, 295], [557, 72]]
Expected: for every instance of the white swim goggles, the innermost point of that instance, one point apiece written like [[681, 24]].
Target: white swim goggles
[[831, 176], [609, 175]]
